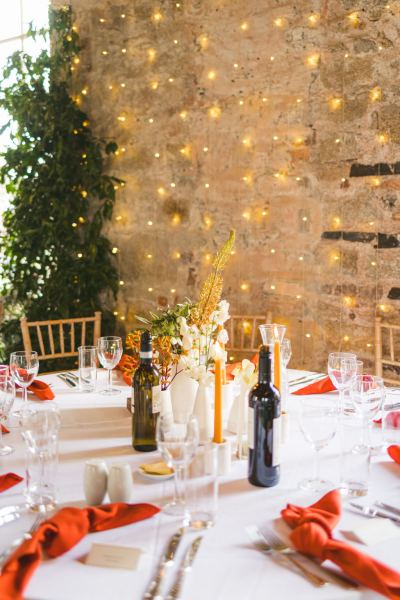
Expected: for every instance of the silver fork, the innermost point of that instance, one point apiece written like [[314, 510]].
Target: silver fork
[[4, 556], [280, 548]]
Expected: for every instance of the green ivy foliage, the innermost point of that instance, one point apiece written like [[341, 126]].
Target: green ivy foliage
[[55, 261]]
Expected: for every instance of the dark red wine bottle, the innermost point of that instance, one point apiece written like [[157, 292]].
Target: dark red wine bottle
[[264, 426]]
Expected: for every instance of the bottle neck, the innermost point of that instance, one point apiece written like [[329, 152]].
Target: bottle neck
[[264, 368]]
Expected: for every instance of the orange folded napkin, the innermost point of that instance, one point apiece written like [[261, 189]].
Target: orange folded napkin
[[318, 387], [4, 429], [312, 535], [394, 452], [127, 365], [41, 390], [8, 480], [59, 534]]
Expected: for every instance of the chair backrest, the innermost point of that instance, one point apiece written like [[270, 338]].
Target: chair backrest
[[56, 342], [386, 336], [244, 335]]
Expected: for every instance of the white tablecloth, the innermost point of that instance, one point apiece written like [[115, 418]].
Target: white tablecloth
[[227, 567]]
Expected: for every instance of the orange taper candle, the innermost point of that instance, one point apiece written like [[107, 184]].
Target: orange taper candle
[[277, 365], [218, 439]]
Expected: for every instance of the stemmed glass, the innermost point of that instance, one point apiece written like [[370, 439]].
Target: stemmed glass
[[109, 350], [177, 443], [24, 367], [367, 393], [342, 368], [318, 423], [6, 402]]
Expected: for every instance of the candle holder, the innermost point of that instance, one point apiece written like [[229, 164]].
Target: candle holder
[[224, 456], [271, 333]]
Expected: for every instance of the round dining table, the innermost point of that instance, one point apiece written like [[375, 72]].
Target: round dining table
[[228, 566]]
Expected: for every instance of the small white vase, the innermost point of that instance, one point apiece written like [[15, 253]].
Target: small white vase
[[166, 404], [228, 393], [202, 410], [183, 391], [239, 411]]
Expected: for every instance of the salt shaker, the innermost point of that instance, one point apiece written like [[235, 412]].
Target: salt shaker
[[95, 481], [120, 484]]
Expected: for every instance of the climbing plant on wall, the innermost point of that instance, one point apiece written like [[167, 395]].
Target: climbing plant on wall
[[55, 260]]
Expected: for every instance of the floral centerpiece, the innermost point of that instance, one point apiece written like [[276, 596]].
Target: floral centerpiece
[[187, 334]]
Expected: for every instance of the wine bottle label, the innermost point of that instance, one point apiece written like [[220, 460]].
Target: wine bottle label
[[276, 442], [156, 398], [146, 354], [250, 428], [133, 401]]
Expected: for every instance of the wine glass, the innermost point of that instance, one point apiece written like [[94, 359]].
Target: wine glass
[[367, 393], [318, 422], [177, 443], [6, 402], [109, 350], [24, 367], [341, 373]]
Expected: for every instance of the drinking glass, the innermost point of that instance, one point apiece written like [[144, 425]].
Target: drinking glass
[[202, 487], [87, 368], [342, 373], [109, 350], [367, 393], [318, 423], [24, 367], [177, 443], [355, 459], [40, 429], [6, 402]]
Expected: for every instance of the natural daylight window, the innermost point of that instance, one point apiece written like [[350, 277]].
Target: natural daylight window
[[15, 16]]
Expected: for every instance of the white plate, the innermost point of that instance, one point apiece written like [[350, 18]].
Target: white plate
[[154, 477]]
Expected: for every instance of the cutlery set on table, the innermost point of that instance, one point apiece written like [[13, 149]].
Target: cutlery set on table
[[69, 378], [267, 541], [167, 563]]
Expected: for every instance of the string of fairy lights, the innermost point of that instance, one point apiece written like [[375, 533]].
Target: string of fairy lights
[[250, 108]]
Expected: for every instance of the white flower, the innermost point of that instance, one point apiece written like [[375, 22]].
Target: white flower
[[183, 326], [187, 342], [223, 336], [246, 373], [222, 313]]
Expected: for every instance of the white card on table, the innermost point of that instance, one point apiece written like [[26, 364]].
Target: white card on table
[[114, 557], [376, 530]]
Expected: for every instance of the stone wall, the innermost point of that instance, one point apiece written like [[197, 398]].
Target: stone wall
[[278, 119]]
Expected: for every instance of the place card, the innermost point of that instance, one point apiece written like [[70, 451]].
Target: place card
[[114, 557], [374, 531]]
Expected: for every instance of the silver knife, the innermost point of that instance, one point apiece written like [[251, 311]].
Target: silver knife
[[304, 381], [166, 561], [66, 380], [175, 590], [300, 379], [370, 511], [388, 507]]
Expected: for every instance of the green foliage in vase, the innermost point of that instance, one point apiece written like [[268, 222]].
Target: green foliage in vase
[[55, 261], [166, 323]]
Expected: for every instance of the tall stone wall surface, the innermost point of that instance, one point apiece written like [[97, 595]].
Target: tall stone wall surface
[[278, 119]]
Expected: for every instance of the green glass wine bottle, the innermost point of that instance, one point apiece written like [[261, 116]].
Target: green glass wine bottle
[[145, 399]]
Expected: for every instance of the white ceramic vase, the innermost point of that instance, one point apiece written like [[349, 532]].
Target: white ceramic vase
[[239, 412], [202, 410], [166, 404], [183, 391]]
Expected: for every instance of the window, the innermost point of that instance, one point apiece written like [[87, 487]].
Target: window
[[15, 16]]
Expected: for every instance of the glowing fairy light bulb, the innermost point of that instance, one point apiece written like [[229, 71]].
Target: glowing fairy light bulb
[[157, 17], [279, 22], [383, 138], [244, 26], [313, 19], [151, 54], [313, 60], [214, 112], [121, 282], [354, 18], [244, 286], [335, 103], [203, 40], [375, 94], [211, 75]]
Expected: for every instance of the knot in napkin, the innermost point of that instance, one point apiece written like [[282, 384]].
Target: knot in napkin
[[326, 512], [312, 535], [59, 534]]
